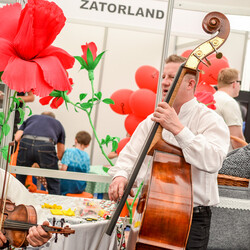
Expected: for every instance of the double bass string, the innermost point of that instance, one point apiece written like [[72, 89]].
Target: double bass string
[[136, 168]]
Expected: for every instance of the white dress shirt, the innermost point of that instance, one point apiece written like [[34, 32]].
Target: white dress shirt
[[204, 142]]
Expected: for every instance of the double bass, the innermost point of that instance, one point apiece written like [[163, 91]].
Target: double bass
[[164, 211]]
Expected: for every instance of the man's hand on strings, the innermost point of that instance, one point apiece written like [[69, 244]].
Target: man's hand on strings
[[168, 118], [117, 187], [37, 236]]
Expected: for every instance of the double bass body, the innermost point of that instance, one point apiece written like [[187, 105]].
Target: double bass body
[[164, 212]]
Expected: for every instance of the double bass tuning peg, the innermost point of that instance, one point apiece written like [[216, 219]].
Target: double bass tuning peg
[[218, 54]]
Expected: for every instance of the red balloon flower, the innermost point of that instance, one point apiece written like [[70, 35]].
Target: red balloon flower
[[122, 144], [131, 123], [212, 72], [207, 98], [146, 77], [186, 53], [27, 58], [121, 100], [57, 101], [203, 86], [142, 102]]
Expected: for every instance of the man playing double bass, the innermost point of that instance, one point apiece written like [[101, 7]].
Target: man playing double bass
[[203, 138]]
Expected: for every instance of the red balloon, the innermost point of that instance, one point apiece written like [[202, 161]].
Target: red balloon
[[211, 72], [131, 123], [121, 144], [121, 99], [203, 86], [186, 53], [146, 77], [142, 102]]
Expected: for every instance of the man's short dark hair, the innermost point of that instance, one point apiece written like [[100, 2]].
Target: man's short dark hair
[[83, 138]]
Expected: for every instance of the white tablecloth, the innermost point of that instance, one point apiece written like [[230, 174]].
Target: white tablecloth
[[87, 234]]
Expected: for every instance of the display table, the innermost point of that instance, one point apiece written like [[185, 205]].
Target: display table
[[97, 187], [87, 233]]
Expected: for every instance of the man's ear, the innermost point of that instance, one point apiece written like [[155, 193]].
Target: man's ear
[[191, 84]]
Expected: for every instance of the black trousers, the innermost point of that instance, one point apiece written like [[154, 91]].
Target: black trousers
[[199, 232]]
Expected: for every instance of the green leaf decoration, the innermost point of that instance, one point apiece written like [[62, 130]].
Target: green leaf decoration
[[103, 142], [105, 169], [92, 100], [6, 129], [1, 118], [30, 111], [4, 152], [66, 105], [90, 59], [99, 95], [76, 109], [1, 73], [22, 113], [114, 146], [98, 58], [117, 138], [108, 101], [16, 100], [56, 93], [86, 105], [82, 96], [108, 138], [80, 60]]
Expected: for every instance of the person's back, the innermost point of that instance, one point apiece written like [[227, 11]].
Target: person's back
[[76, 160], [43, 125]]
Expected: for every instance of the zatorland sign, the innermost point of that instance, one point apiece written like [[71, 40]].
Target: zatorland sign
[[139, 13]]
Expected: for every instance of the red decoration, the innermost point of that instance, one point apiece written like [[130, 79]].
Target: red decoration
[[56, 101], [121, 99], [203, 86], [186, 53], [211, 72], [131, 123], [121, 144], [142, 102], [93, 49], [147, 77], [27, 58], [207, 98]]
